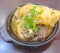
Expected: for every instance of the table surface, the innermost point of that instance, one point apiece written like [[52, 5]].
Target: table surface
[[7, 6]]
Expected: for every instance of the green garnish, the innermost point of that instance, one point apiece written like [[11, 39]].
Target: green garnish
[[29, 19]]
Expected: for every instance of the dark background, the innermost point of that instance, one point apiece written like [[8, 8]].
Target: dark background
[[7, 6]]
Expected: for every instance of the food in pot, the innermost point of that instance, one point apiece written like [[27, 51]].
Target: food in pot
[[34, 22]]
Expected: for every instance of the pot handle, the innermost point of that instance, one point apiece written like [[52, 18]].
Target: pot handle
[[4, 35]]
